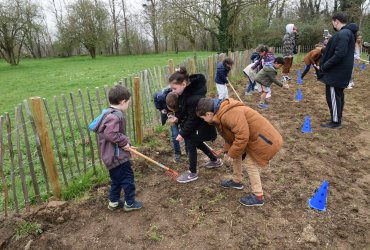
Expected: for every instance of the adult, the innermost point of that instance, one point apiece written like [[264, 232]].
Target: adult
[[190, 89], [289, 49], [336, 66]]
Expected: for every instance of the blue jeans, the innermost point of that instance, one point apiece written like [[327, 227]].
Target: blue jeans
[[122, 177], [174, 134], [251, 86]]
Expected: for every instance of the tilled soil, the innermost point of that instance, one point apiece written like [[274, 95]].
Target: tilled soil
[[202, 215]]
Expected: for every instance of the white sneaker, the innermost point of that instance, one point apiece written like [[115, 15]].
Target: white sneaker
[[286, 78], [350, 85]]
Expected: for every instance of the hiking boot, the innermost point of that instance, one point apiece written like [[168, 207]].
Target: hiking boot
[[263, 105], [335, 125], [115, 205], [187, 177], [214, 164], [251, 201], [177, 158], [136, 205], [231, 184]]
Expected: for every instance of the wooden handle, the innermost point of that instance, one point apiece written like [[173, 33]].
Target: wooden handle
[[148, 159], [235, 92]]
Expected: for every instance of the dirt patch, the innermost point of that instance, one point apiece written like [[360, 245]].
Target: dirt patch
[[201, 215]]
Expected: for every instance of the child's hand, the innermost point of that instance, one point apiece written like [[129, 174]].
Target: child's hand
[[285, 85], [179, 138], [172, 120], [127, 148]]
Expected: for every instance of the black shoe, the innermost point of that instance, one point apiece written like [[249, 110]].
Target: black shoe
[[331, 125], [231, 184]]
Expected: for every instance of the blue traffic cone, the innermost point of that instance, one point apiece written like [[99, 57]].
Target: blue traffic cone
[[299, 80], [362, 66], [356, 65], [318, 201], [307, 125], [299, 73], [298, 97]]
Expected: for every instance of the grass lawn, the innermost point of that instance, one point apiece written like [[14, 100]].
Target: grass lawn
[[55, 76]]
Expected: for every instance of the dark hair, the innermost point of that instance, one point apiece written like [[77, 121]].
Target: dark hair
[[204, 105], [228, 60], [341, 17], [172, 101], [279, 60], [117, 94], [179, 76], [263, 48]]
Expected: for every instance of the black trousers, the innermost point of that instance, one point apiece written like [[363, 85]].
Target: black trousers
[[306, 69], [193, 146], [335, 101]]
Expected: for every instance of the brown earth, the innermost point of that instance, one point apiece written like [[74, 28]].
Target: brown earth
[[202, 215]]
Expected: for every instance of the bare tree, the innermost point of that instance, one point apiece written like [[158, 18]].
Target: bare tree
[[112, 4], [125, 25], [151, 9]]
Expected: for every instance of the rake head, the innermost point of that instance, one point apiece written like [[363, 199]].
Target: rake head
[[172, 173]]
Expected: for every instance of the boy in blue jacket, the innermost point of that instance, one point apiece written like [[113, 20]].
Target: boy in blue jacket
[[221, 79]]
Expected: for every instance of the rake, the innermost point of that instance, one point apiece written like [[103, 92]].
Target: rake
[[215, 152], [170, 172], [235, 92]]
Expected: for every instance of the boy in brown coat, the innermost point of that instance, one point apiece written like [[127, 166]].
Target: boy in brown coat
[[246, 133], [312, 58]]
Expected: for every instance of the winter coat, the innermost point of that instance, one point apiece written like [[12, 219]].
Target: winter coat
[[159, 98], [313, 57], [221, 73], [267, 76], [245, 130], [337, 62], [289, 42], [112, 138], [268, 58], [191, 126]]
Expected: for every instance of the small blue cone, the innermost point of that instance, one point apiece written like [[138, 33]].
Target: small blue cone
[[362, 66], [356, 65], [299, 73], [318, 201], [299, 81], [307, 125], [298, 97]]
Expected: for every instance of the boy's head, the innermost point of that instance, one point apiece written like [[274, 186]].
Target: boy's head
[[228, 62], [119, 96], [204, 109], [172, 101], [338, 20], [278, 62]]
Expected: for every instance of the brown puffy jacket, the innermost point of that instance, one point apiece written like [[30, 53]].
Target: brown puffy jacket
[[245, 130], [313, 57]]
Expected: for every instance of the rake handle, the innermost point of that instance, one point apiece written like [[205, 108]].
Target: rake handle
[[235, 92], [149, 159]]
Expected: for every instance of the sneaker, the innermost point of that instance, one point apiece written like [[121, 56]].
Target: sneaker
[[350, 85], [286, 78], [187, 177], [115, 205], [248, 93], [177, 158], [251, 201], [136, 205], [214, 164], [263, 106], [231, 184], [335, 125]]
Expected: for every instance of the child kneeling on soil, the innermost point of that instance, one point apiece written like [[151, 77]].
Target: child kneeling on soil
[[114, 150], [247, 134], [266, 77]]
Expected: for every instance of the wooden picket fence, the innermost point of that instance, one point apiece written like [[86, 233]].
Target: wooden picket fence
[[41, 129]]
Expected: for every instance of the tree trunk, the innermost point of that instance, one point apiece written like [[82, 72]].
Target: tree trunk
[[127, 41], [92, 52], [223, 35]]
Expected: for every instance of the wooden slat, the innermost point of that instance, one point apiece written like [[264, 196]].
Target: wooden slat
[[72, 134], [106, 94], [60, 157], [66, 147], [86, 125], [29, 157], [132, 111], [38, 146], [92, 118], [138, 123], [3, 180], [11, 154], [77, 118], [20, 161], [97, 92]]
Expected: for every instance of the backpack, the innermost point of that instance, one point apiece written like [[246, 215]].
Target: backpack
[[94, 125]]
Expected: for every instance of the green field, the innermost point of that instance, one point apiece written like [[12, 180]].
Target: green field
[[56, 76]]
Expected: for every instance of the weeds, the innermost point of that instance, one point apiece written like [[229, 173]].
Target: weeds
[[24, 229], [154, 234]]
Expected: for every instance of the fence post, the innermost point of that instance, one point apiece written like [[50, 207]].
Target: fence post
[[171, 67], [3, 180], [46, 148], [138, 123], [211, 74], [193, 69]]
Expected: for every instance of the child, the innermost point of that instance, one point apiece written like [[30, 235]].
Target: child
[[114, 150], [266, 77], [160, 104], [221, 79], [189, 90], [251, 73], [247, 134], [312, 58], [357, 56], [289, 44], [367, 46]]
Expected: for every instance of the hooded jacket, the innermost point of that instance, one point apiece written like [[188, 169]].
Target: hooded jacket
[[288, 41], [337, 62], [313, 57], [191, 126], [221, 73], [245, 130], [267, 76]]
